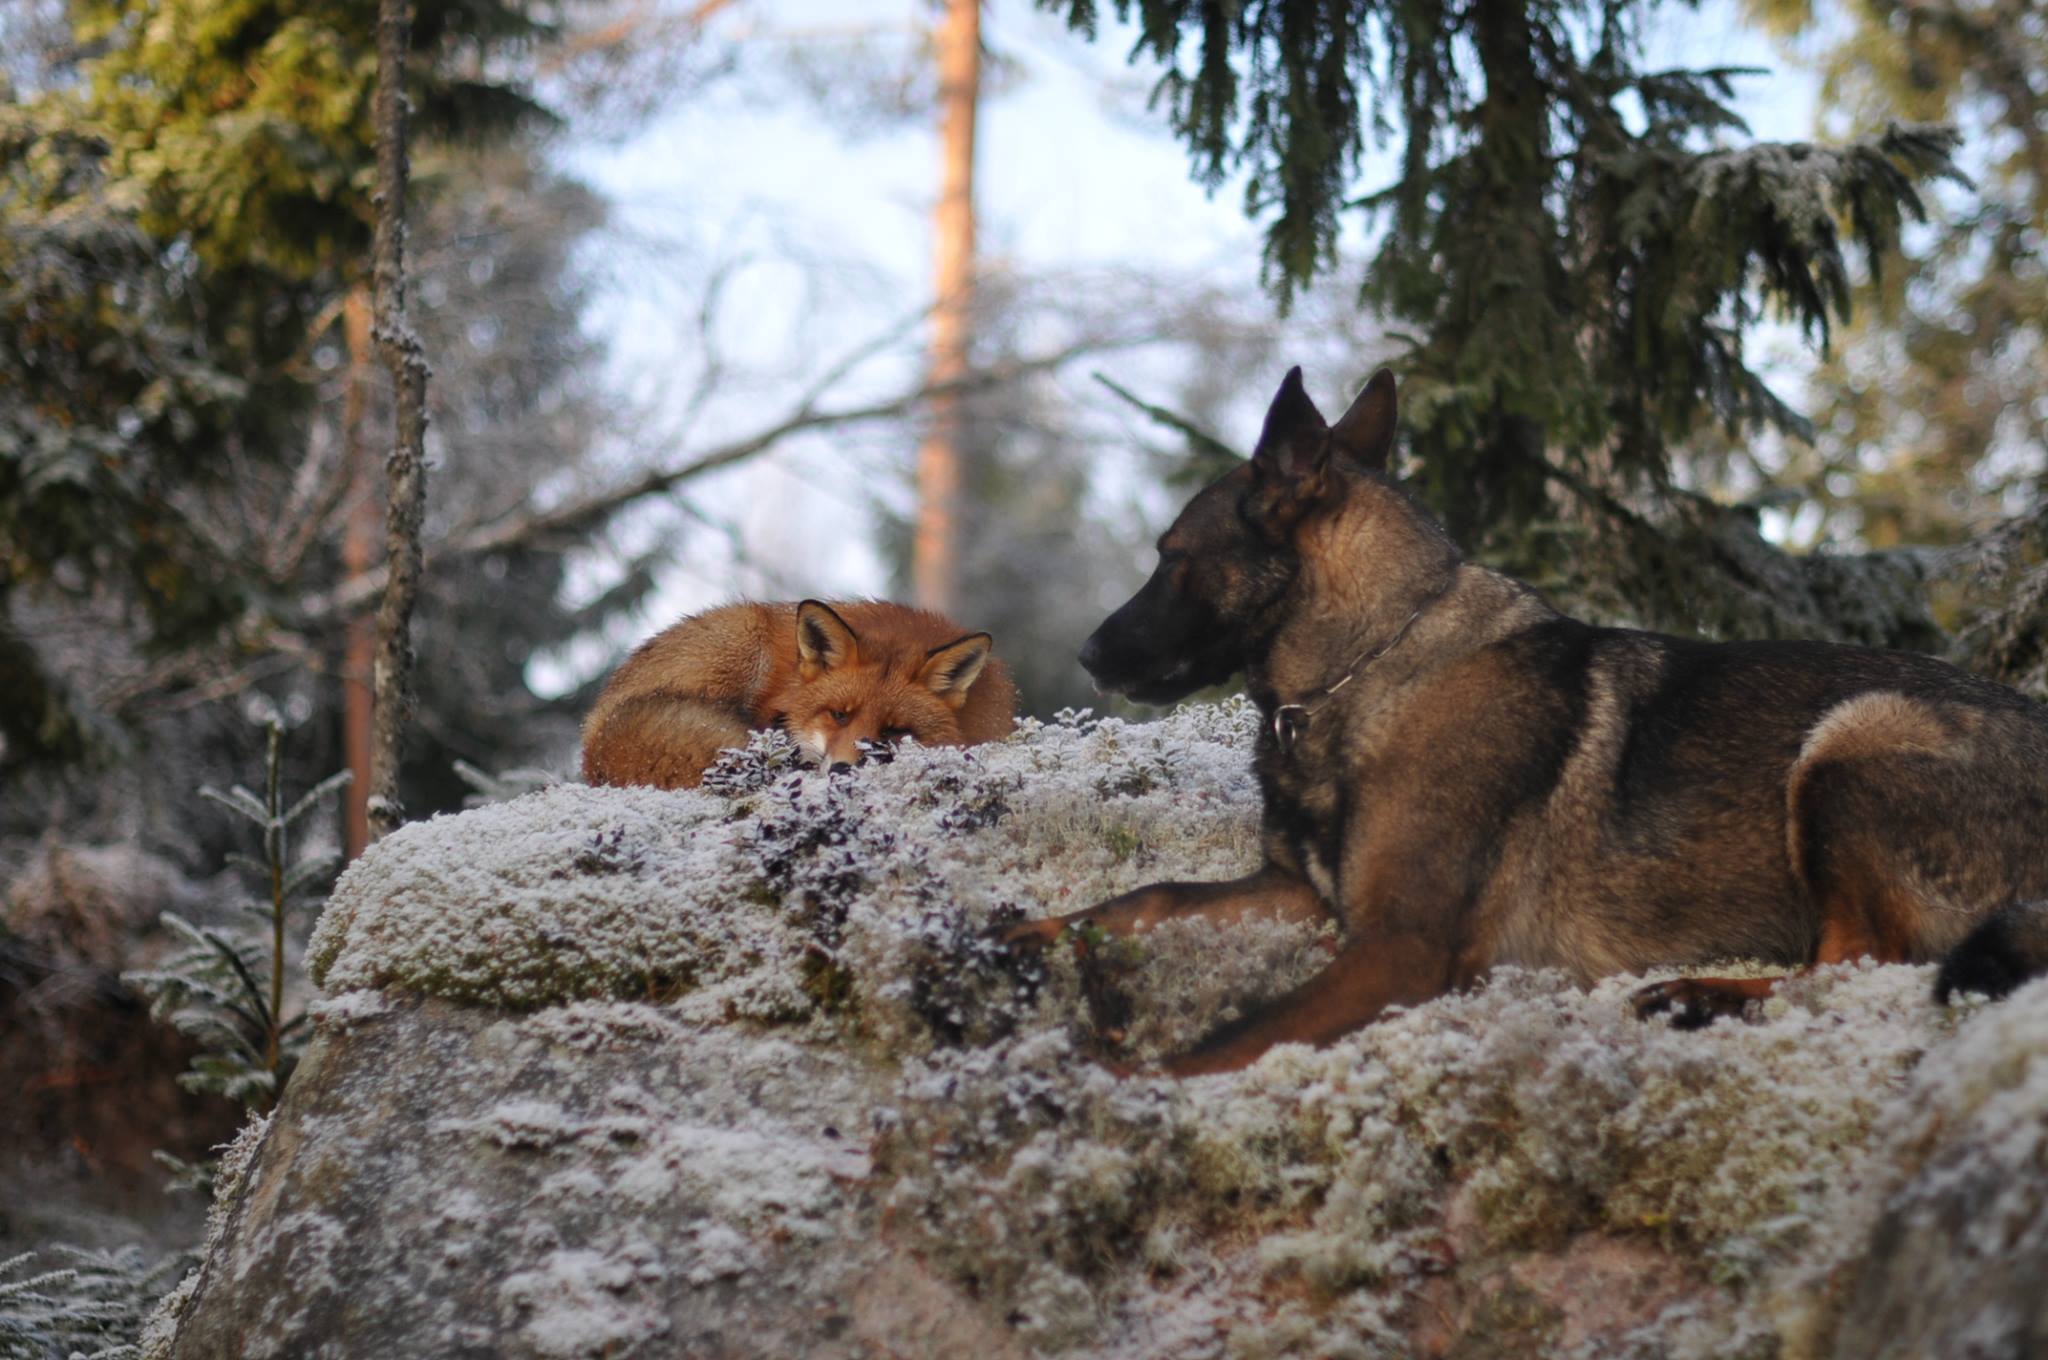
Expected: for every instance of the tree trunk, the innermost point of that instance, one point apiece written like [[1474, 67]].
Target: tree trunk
[[935, 555], [358, 556], [1507, 304], [405, 467]]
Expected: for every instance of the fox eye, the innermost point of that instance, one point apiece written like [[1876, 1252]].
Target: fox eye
[[838, 715]]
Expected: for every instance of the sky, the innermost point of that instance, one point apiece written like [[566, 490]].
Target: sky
[[814, 212]]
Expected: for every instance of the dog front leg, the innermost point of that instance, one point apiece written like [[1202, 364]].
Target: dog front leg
[[1273, 893], [1368, 975]]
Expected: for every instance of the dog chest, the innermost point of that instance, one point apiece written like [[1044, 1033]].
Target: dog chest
[[1304, 806]]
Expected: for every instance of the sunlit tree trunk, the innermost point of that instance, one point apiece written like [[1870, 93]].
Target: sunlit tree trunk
[[935, 554], [358, 555], [405, 467]]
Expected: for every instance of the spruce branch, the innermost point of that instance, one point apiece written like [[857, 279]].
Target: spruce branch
[[92, 1307], [1209, 457], [226, 988]]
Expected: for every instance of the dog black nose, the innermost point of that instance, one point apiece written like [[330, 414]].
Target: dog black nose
[[1091, 653]]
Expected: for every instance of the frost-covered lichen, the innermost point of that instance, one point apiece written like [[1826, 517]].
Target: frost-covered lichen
[[648, 1157], [791, 892], [1514, 1118], [229, 1178]]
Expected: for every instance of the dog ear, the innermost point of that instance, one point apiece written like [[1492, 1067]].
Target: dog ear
[[823, 641], [1365, 433], [1291, 465], [950, 671], [1295, 441]]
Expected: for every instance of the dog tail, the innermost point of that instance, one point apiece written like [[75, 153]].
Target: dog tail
[[2007, 948]]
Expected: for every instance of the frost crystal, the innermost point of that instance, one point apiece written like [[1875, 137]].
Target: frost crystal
[[763, 1072]]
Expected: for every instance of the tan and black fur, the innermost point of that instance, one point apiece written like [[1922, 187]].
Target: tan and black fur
[[1496, 783], [839, 678]]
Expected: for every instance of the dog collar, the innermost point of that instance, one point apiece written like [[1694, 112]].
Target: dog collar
[[1291, 720]]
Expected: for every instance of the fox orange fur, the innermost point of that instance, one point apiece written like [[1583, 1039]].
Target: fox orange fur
[[831, 675]]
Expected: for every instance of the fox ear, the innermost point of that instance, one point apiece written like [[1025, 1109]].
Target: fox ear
[[823, 641], [1295, 441], [1365, 433], [950, 671]]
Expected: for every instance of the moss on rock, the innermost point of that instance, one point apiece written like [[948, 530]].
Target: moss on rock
[[669, 961]]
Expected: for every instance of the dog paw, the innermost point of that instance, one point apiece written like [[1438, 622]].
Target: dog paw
[[1692, 1003]]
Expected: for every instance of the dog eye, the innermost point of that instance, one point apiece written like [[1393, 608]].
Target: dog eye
[[838, 715]]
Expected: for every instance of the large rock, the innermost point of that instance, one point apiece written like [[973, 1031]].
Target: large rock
[[1957, 1262], [619, 1073], [593, 1180]]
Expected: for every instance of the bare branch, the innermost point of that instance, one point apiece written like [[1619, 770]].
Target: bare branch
[[193, 680], [1196, 435], [858, 355], [712, 377], [630, 28], [575, 517]]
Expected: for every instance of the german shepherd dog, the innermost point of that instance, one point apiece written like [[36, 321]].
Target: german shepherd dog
[[1463, 777]]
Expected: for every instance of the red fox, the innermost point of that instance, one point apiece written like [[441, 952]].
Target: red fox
[[830, 675]]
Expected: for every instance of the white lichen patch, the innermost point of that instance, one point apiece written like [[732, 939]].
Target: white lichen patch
[[579, 1302], [744, 904], [349, 1008], [763, 1054], [1515, 1119], [228, 1179]]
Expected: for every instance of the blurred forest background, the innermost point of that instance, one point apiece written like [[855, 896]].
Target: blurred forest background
[[1681, 373]]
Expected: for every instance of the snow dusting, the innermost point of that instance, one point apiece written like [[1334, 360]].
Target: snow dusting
[[736, 1071]]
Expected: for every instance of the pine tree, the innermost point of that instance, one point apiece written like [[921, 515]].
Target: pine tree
[[60, 1302], [1931, 413], [181, 210], [246, 130], [227, 988], [1576, 245], [935, 568], [120, 391], [501, 242]]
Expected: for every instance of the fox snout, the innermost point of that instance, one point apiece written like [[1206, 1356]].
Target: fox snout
[[833, 752]]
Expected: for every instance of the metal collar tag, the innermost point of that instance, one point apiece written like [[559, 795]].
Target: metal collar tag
[[1291, 720]]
